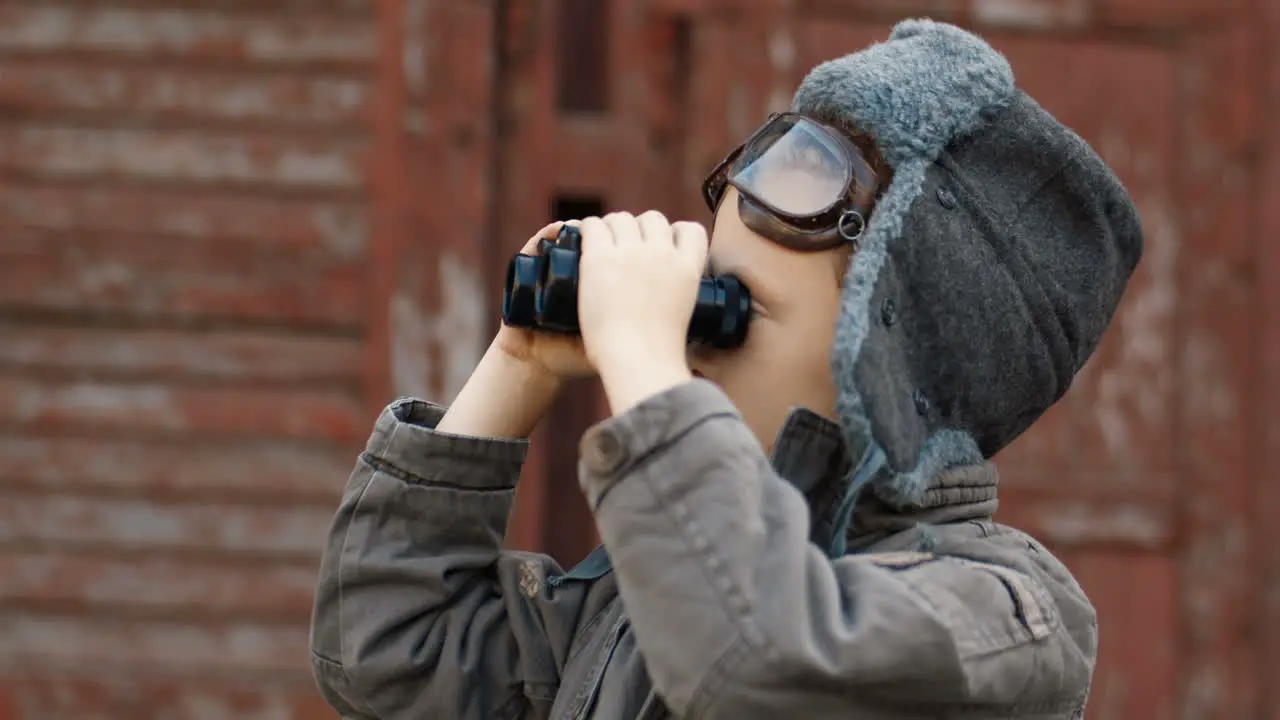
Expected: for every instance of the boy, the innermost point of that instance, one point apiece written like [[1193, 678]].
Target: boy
[[933, 258]]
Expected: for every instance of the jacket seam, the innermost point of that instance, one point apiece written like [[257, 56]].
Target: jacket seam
[[653, 455], [356, 688], [386, 467], [748, 635], [718, 676]]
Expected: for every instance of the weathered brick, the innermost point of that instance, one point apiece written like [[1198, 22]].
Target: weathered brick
[[171, 586], [1135, 595], [99, 524], [1267, 492], [1190, 15], [41, 88], [1218, 402], [218, 355], [873, 11], [106, 693], [157, 648], [230, 222], [154, 278], [251, 469], [1115, 428], [194, 412], [261, 161], [1032, 14], [155, 33]]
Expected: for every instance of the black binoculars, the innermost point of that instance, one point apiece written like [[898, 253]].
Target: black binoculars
[[541, 293]]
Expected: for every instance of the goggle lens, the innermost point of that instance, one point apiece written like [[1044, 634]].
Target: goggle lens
[[794, 167]]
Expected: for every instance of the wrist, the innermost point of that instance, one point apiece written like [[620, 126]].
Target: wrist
[[633, 378], [504, 397]]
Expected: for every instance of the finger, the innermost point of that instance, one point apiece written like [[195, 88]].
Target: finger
[[654, 227], [549, 231], [626, 231], [595, 233], [691, 242]]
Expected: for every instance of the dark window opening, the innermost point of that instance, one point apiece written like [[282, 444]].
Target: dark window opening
[[576, 207], [582, 57]]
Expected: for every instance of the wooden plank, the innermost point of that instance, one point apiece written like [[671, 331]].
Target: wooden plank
[[152, 648], [168, 586], [1267, 491], [100, 524], [108, 693], [140, 409], [251, 160], [163, 471], [1218, 452], [148, 278], [168, 34], [47, 89], [1196, 15], [326, 228], [1136, 597], [1114, 431], [230, 356]]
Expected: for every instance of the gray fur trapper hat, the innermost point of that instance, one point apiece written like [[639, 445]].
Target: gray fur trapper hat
[[989, 269]]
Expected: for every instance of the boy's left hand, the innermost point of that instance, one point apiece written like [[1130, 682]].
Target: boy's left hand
[[637, 287]]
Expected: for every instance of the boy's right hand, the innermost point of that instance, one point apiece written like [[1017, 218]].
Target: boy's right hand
[[559, 356]]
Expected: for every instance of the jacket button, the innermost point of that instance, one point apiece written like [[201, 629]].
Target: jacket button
[[602, 452], [889, 313], [946, 199]]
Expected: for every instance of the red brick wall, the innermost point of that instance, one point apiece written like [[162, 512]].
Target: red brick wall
[[184, 261], [233, 230]]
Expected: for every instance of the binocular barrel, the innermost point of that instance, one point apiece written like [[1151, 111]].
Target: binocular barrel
[[541, 293]]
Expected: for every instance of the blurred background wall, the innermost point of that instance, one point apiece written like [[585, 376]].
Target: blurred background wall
[[232, 230]]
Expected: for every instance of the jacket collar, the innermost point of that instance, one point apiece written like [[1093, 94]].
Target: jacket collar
[[810, 454]]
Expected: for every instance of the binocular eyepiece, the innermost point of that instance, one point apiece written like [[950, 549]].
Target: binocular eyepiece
[[541, 293]]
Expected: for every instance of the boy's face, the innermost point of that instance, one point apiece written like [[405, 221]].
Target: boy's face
[[785, 361]]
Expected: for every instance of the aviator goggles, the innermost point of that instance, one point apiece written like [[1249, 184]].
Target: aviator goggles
[[801, 183]]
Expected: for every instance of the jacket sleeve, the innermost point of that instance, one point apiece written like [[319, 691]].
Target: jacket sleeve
[[419, 613], [739, 616]]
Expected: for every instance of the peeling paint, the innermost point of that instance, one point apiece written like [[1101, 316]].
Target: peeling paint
[[344, 232], [1211, 563], [782, 58], [91, 400], [1073, 524], [1138, 382], [178, 646], [782, 50], [1032, 13], [150, 31], [461, 325], [180, 155], [1204, 692], [738, 111], [411, 337], [457, 332], [415, 46]]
